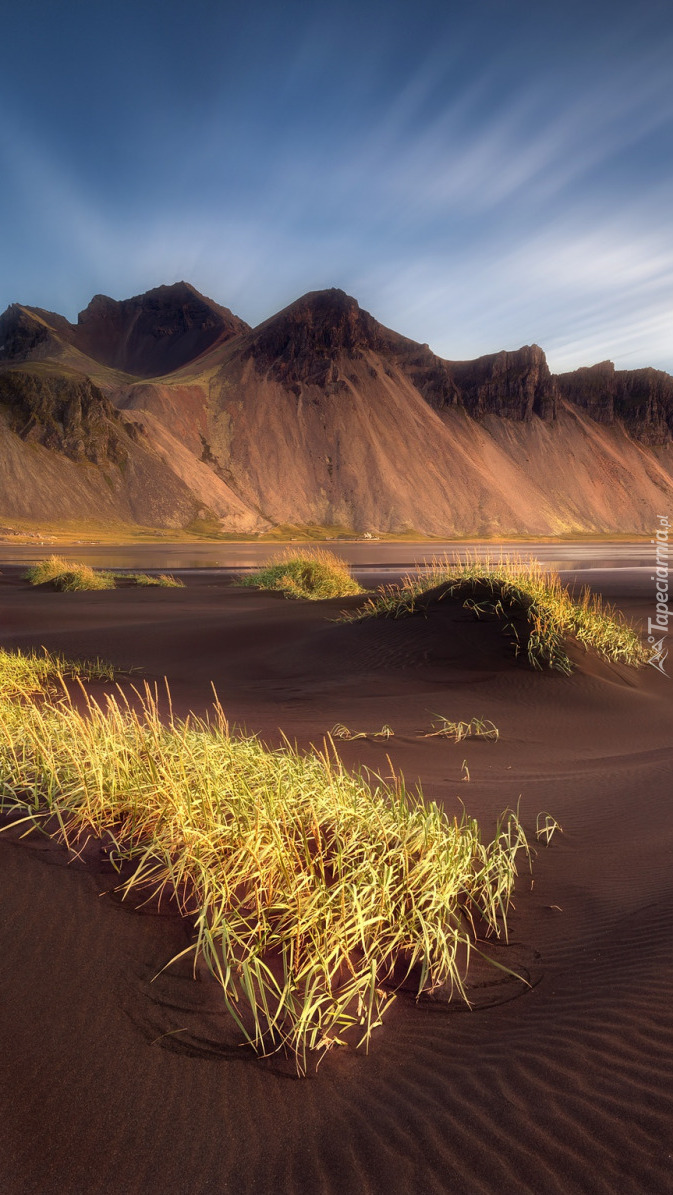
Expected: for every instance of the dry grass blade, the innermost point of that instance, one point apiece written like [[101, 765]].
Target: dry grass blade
[[476, 728], [545, 827], [339, 731]]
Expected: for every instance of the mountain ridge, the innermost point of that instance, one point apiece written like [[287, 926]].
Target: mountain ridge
[[322, 415]]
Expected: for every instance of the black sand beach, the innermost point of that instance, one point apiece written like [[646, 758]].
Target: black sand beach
[[113, 1083]]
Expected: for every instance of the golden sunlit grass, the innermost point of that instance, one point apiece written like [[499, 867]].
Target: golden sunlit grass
[[25, 673], [69, 576], [527, 598], [164, 580], [314, 892], [342, 732], [313, 573], [476, 728]]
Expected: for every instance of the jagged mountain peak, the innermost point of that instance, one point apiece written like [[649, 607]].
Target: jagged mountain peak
[[331, 314], [297, 343], [166, 296], [29, 333], [156, 332]]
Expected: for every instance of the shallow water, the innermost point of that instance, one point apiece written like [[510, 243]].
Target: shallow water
[[367, 556]]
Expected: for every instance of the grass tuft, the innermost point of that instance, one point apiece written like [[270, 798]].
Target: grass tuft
[[525, 597], [165, 580], [545, 827], [476, 728], [25, 673], [68, 576], [314, 574], [314, 894]]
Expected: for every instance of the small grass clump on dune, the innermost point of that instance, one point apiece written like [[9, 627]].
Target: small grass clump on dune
[[526, 597], [314, 574], [26, 673], [339, 731], [68, 576], [164, 580], [313, 894]]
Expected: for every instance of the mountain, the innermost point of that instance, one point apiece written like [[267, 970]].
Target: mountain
[[154, 333], [321, 415], [145, 336]]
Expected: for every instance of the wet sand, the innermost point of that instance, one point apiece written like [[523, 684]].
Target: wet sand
[[113, 1083], [376, 556]]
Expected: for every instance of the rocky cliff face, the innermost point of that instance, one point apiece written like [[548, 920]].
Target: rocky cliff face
[[29, 334], [65, 413], [67, 453], [304, 341], [640, 398], [155, 333], [146, 336], [515, 385]]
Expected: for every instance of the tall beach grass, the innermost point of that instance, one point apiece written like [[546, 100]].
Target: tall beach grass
[[23, 674], [314, 892]]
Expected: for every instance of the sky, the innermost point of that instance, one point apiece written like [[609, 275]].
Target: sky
[[479, 175]]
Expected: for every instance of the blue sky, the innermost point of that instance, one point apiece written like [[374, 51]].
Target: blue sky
[[479, 175]]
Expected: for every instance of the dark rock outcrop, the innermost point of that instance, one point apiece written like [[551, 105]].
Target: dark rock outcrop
[[515, 385], [431, 376], [66, 413], [154, 333], [641, 398], [302, 343], [29, 334], [146, 336]]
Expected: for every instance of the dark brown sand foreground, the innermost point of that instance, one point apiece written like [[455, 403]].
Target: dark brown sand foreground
[[112, 1083]]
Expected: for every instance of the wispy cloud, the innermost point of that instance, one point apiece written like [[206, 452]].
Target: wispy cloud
[[583, 290], [46, 194]]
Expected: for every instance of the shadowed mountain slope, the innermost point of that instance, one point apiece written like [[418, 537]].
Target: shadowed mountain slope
[[154, 333], [321, 415], [146, 336]]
